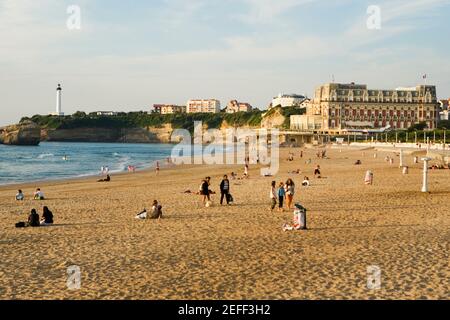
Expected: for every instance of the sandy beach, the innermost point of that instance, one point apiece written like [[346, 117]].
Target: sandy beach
[[238, 251]]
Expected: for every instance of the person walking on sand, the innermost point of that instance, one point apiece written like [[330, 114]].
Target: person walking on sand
[[317, 172], [273, 196], [157, 168], [281, 196], [225, 190], [290, 191], [204, 191], [246, 171]]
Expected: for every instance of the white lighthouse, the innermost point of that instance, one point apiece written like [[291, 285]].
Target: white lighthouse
[[58, 102]]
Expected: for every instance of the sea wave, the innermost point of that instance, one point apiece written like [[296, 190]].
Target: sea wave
[[45, 155]]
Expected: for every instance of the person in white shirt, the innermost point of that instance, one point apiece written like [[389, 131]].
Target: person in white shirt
[[20, 196], [306, 182], [39, 195]]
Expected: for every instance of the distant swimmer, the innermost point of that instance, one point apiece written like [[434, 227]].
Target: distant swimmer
[[65, 158]]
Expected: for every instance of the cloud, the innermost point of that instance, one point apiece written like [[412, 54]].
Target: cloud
[[265, 11]]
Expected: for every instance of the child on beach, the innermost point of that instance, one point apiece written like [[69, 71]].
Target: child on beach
[[281, 196], [38, 195], [306, 182], [20, 196], [317, 172], [157, 168], [273, 195]]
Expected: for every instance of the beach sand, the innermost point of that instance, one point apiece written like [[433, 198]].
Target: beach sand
[[235, 252]]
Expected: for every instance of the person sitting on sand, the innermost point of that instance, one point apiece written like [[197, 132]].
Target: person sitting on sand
[[107, 179], [306, 182], [233, 176], [358, 162], [33, 219], [47, 216], [20, 196], [156, 211], [317, 172], [38, 195]]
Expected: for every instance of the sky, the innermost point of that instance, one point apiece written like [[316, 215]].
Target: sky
[[129, 55]]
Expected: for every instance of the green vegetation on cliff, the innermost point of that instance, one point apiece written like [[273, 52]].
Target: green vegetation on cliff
[[142, 119]]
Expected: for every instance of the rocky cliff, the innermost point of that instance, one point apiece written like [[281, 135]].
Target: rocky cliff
[[273, 119], [26, 133], [122, 135]]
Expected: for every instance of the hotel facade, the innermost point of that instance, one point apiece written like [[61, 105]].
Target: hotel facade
[[340, 107], [203, 106]]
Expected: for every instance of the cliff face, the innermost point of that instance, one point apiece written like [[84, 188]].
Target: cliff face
[[273, 119], [126, 135], [24, 134]]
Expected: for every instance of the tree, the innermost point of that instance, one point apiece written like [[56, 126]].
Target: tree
[[444, 124], [79, 114], [418, 127]]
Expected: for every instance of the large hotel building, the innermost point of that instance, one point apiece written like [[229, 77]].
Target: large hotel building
[[340, 107]]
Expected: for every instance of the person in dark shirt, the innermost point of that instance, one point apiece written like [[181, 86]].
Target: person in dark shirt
[[33, 219], [225, 190], [204, 191], [47, 216]]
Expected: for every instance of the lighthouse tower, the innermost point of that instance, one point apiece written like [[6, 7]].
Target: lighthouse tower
[[58, 102]]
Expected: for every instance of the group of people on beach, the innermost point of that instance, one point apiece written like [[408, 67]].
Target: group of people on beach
[[37, 195], [35, 221], [33, 218], [285, 191]]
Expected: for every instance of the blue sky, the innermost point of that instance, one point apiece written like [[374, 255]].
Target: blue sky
[[129, 55]]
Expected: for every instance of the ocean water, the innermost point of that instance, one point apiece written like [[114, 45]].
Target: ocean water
[[45, 162]]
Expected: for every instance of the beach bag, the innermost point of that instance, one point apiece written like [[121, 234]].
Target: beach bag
[[230, 198], [20, 225]]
